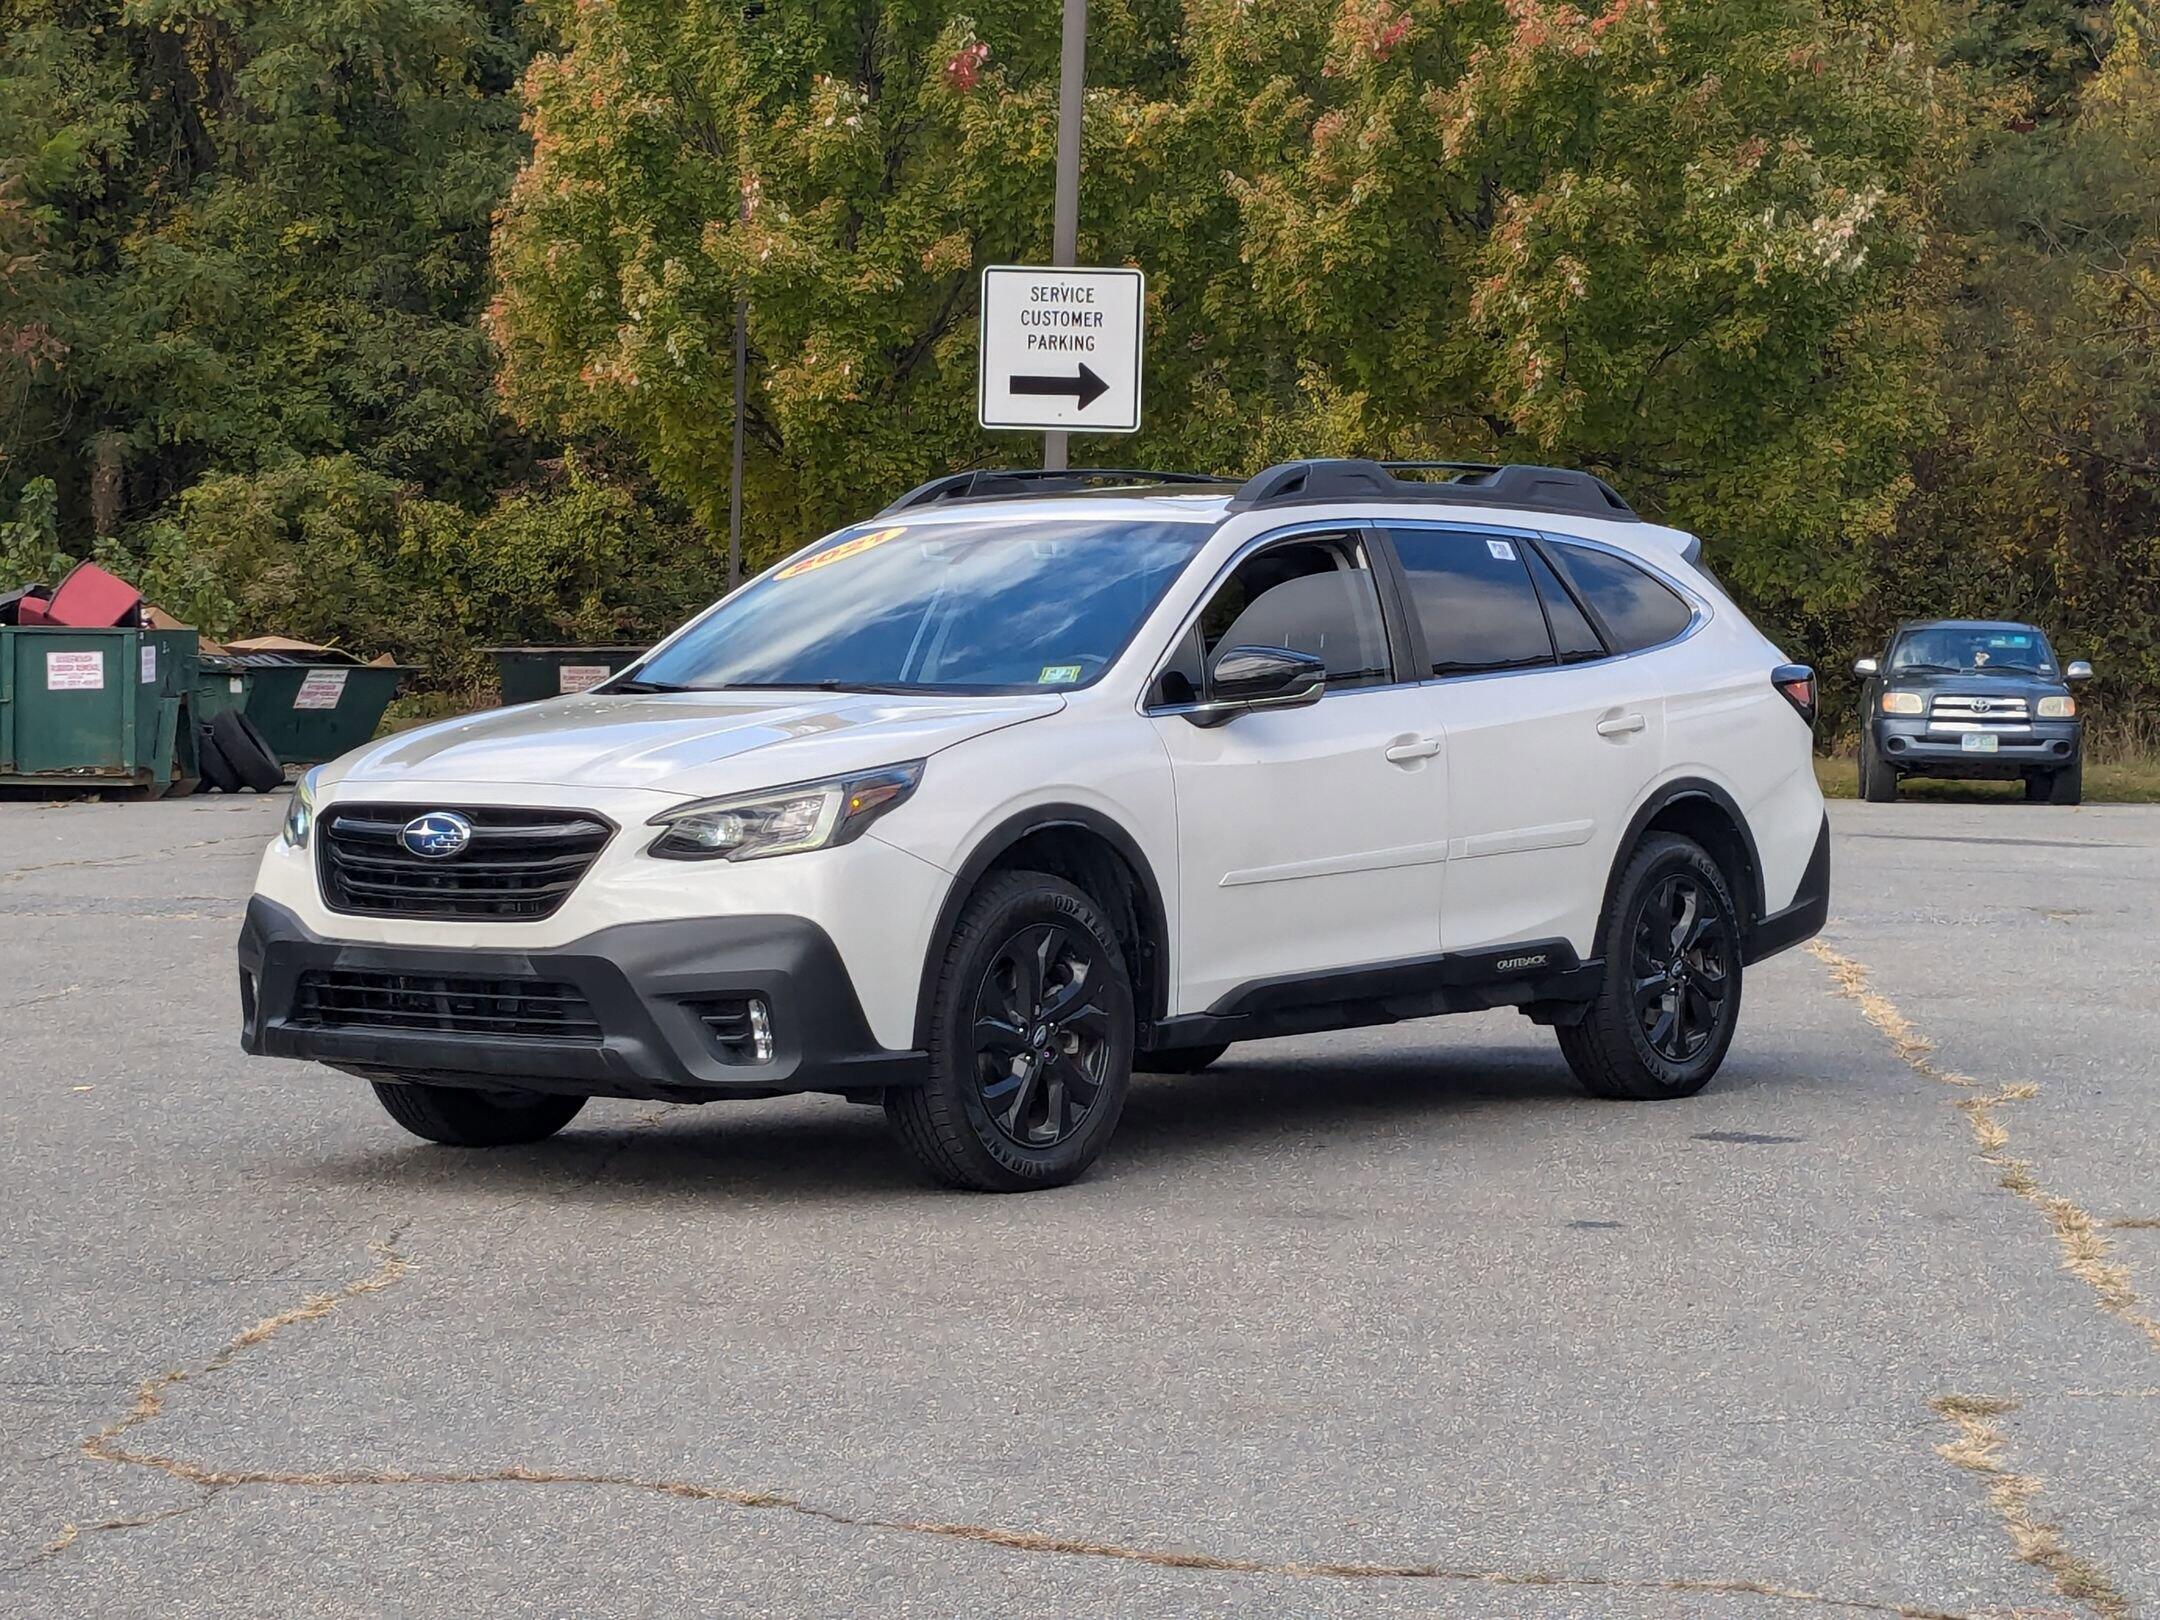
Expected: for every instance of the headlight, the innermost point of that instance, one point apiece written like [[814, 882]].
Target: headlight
[[2057, 708], [785, 820], [300, 814], [1903, 703]]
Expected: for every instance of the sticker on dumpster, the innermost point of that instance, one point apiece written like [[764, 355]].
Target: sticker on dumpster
[[75, 672], [580, 677], [149, 662], [321, 689]]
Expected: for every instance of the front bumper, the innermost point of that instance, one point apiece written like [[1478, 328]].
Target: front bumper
[[2044, 745], [645, 984]]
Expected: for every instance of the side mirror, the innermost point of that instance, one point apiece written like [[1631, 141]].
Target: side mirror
[[1866, 666], [1246, 678], [2079, 670]]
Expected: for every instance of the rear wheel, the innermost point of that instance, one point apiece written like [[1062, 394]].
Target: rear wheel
[[460, 1118], [1180, 1059], [1031, 1041], [1878, 782], [1670, 1000]]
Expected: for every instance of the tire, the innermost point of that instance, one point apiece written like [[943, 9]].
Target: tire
[[1180, 1059], [2039, 786], [2067, 786], [476, 1119], [1625, 1047], [217, 771], [251, 758], [1878, 782], [1033, 1007]]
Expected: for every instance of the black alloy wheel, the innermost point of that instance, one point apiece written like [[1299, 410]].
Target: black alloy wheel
[[1042, 1034], [1683, 957]]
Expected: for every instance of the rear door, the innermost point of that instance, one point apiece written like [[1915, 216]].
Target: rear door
[[1551, 740], [1309, 839]]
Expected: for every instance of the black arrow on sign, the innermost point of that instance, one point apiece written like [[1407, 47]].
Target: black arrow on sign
[[1085, 389]]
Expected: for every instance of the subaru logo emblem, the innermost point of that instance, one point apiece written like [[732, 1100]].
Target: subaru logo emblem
[[437, 836]]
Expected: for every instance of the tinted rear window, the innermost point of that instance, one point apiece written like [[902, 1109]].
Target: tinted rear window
[[1638, 611], [1573, 638], [1472, 595]]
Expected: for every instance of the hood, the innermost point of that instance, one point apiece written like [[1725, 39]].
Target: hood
[[1966, 683], [692, 744]]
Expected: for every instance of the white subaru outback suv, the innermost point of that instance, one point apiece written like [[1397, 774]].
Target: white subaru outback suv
[[1036, 779]]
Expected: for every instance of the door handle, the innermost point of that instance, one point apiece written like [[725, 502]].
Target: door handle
[[1624, 725], [1402, 753]]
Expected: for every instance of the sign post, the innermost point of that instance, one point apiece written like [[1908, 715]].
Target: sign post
[[1061, 350], [1065, 214]]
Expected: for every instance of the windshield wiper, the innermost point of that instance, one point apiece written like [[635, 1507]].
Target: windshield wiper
[[1936, 669], [815, 686], [647, 686]]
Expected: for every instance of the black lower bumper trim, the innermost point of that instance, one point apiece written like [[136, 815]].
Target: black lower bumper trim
[[647, 985], [1804, 918]]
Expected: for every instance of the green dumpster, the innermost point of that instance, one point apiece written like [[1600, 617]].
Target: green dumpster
[[91, 709], [310, 712], [529, 674]]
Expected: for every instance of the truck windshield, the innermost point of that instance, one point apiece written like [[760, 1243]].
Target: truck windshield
[[991, 605], [2012, 649]]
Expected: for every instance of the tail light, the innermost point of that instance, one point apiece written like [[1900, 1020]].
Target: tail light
[[1796, 685]]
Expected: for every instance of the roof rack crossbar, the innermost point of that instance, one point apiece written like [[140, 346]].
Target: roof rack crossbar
[[1537, 489], [982, 482]]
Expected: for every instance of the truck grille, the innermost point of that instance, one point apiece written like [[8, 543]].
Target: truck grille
[[520, 866], [504, 1009], [1970, 711]]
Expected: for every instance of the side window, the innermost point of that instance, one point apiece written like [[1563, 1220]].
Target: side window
[[1316, 596], [1573, 637], [1472, 593], [1638, 611]]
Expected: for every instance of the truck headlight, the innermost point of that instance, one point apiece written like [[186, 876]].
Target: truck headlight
[[2057, 708], [783, 820], [300, 814], [1903, 703]]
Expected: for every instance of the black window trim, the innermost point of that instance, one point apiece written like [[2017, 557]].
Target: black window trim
[[1387, 582], [1542, 540]]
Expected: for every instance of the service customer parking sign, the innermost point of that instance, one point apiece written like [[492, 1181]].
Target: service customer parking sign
[[1061, 349]]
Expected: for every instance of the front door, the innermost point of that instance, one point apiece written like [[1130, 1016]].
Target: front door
[[1309, 839]]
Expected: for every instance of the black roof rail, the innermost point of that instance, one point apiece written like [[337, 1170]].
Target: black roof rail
[[1538, 489], [985, 483]]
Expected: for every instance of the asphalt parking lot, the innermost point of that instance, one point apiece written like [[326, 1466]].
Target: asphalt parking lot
[[1393, 1322]]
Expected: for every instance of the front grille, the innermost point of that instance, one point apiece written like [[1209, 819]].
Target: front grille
[[1974, 711], [502, 1009], [520, 865]]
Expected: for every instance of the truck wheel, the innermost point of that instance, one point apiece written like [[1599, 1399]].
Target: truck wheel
[[1878, 782], [1180, 1059], [460, 1118], [1670, 999], [1031, 1041], [2067, 786]]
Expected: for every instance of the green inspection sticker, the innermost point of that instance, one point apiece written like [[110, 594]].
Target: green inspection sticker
[[1058, 675]]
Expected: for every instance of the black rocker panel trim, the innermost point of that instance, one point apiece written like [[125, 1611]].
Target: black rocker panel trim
[[1153, 996]]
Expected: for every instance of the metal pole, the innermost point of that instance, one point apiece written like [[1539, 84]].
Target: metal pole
[[734, 499], [1065, 220]]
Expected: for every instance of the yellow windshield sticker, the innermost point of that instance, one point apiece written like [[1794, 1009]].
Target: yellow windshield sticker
[[840, 553]]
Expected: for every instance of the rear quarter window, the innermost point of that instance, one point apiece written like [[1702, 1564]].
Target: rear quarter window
[[1638, 611]]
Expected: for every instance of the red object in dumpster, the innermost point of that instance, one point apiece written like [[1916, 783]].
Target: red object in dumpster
[[32, 610], [91, 599]]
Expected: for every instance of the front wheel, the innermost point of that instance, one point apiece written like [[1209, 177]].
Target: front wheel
[[1878, 782], [2067, 786], [1031, 1041], [1670, 999], [459, 1118]]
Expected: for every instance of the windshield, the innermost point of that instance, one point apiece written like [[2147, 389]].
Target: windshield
[[2010, 648], [990, 605]]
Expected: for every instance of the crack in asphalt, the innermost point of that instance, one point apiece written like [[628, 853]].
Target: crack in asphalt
[[1978, 1449], [392, 1266], [167, 854], [2079, 1237]]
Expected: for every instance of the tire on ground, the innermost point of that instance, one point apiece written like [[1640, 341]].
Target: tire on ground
[[1609, 1050], [460, 1118], [245, 750], [217, 771], [1878, 782], [2067, 786], [945, 1122]]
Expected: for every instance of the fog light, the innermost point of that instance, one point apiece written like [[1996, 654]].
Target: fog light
[[761, 1041]]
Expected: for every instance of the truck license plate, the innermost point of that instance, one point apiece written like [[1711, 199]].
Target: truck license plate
[[1980, 742]]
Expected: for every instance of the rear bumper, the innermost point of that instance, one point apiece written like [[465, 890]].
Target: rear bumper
[[1804, 918], [644, 983], [2046, 745]]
